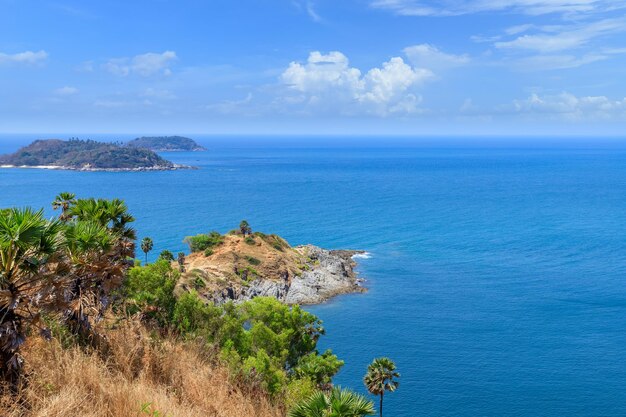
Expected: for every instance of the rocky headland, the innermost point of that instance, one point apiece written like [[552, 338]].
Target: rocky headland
[[238, 268]]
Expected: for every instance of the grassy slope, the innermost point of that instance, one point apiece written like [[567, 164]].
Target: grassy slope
[[165, 376], [268, 256]]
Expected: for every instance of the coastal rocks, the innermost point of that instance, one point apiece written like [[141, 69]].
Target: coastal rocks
[[332, 274], [89, 168], [329, 273]]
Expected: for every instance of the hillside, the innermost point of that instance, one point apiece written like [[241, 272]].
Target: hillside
[[166, 144], [234, 267], [138, 375], [85, 155]]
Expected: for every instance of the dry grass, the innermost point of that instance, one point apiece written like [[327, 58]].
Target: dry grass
[[217, 270], [166, 378]]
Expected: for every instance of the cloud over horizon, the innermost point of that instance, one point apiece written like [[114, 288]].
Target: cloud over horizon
[[26, 57], [328, 81], [144, 65]]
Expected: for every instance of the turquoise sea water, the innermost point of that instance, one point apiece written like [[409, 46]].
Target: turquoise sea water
[[497, 273]]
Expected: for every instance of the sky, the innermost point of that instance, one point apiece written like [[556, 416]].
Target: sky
[[405, 67]]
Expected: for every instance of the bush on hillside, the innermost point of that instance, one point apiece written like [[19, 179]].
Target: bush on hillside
[[202, 242]]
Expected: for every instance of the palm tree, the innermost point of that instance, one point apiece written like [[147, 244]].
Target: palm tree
[[100, 243], [245, 228], [146, 246], [181, 261], [95, 270], [112, 214], [380, 378], [336, 403], [64, 201], [32, 281], [167, 255]]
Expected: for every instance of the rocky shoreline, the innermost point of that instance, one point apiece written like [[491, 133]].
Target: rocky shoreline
[[91, 169], [330, 273]]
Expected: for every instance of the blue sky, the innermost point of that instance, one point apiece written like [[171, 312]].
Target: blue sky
[[425, 67]]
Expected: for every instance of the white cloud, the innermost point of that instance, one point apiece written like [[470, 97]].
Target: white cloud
[[66, 91], [27, 57], [553, 62], [112, 104], [310, 9], [568, 106], [231, 106], [144, 65], [158, 94], [384, 85], [327, 82], [461, 7], [428, 56], [564, 38]]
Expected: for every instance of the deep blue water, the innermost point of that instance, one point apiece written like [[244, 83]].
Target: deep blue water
[[498, 270]]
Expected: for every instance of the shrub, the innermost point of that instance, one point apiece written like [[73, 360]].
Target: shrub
[[253, 261], [192, 316], [199, 283], [208, 252], [203, 242], [250, 240], [150, 290]]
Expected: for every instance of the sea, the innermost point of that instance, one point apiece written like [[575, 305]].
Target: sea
[[496, 267]]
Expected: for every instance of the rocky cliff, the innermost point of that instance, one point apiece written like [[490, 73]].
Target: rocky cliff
[[241, 268]]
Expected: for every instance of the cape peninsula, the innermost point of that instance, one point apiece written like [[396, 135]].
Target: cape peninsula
[[86, 155], [241, 266]]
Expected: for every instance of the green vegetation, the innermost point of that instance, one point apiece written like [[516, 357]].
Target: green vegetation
[[167, 255], [336, 403], [64, 201], [380, 377], [149, 290], [146, 246], [80, 154], [59, 277], [244, 228], [263, 341], [181, 261], [64, 269], [275, 241], [202, 242], [166, 143], [253, 261]]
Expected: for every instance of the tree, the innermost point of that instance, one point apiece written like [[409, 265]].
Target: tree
[[100, 243], [181, 261], [64, 201], [318, 368], [245, 228], [146, 246], [32, 281], [336, 403], [167, 255], [380, 378], [149, 290]]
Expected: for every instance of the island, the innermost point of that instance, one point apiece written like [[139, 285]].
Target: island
[[240, 266], [166, 144], [86, 155]]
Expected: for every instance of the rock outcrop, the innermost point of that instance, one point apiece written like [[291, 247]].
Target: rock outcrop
[[239, 270]]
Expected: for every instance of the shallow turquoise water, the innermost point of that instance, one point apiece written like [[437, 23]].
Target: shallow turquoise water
[[497, 273]]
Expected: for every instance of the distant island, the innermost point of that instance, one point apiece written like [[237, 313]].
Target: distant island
[[85, 155], [166, 144]]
